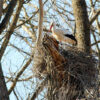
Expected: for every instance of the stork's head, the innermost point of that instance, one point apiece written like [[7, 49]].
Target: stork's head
[[52, 25]]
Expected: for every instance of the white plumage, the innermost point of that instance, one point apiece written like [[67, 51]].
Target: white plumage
[[61, 35]]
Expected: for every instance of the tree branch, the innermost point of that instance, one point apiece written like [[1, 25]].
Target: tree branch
[[18, 75], [40, 29], [5, 21], [40, 88], [11, 29], [19, 49], [96, 42], [26, 29], [1, 8], [95, 16], [3, 89]]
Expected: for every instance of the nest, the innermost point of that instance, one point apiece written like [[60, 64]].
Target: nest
[[70, 70], [81, 74], [80, 65]]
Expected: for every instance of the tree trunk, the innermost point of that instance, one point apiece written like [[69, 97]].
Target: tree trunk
[[1, 6], [82, 25], [3, 89]]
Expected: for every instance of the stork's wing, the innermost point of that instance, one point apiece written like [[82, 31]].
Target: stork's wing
[[70, 36], [64, 31]]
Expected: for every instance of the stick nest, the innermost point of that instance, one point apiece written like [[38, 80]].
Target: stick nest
[[80, 65], [68, 67]]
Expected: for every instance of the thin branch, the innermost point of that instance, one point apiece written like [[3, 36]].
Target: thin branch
[[9, 79], [15, 95], [31, 16], [93, 19], [35, 27], [8, 15], [40, 29], [19, 49], [97, 46], [40, 88], [25, 39], [26, 29], [18, 75], [95, 43], [95, 16], [11, 29], [28, 19]]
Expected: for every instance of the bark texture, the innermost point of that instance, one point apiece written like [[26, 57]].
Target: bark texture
[[1, 6], [6, 19], [11, 29], [3, 89], [40, 21], [82, 25]]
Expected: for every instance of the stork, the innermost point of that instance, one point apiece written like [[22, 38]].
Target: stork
[[61, 35]]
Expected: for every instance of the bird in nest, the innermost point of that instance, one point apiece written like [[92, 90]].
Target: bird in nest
[[61, 35]]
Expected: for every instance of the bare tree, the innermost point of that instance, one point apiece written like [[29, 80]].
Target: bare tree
[[4, 95], [23, 25]]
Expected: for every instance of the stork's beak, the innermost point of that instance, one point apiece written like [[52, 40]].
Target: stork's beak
[[51, 27]]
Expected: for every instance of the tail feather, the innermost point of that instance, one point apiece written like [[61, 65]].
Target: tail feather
[[70, 36]]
